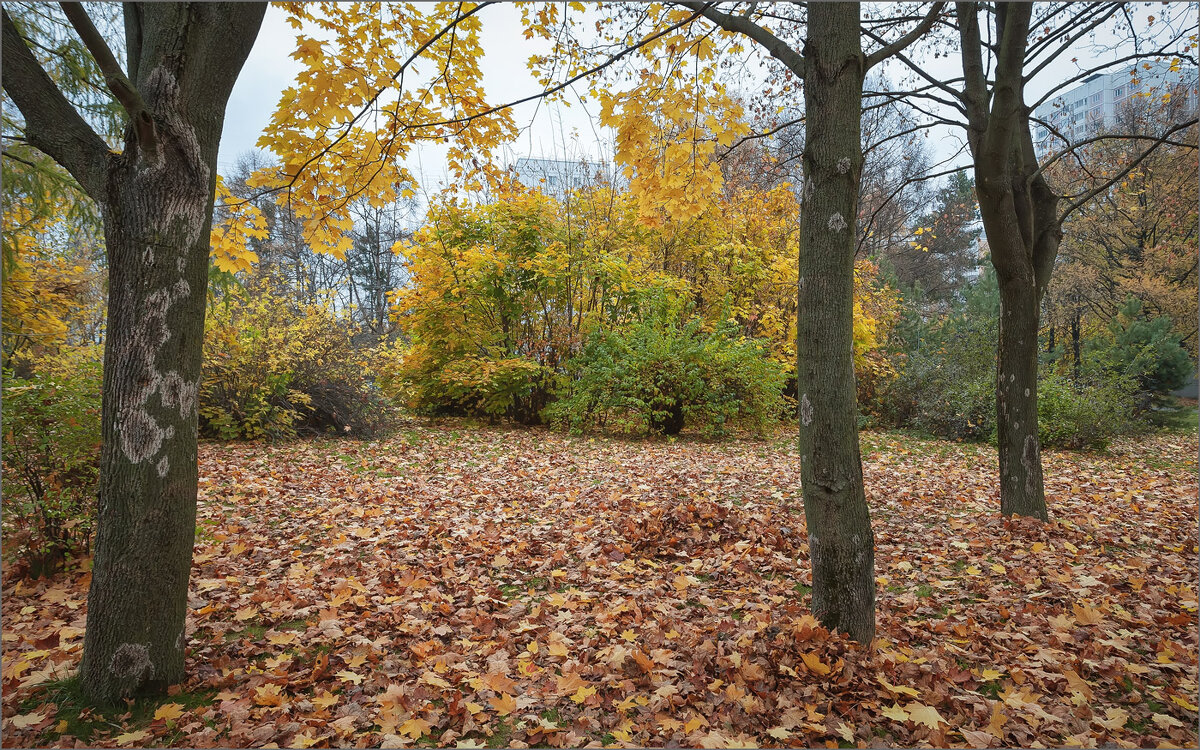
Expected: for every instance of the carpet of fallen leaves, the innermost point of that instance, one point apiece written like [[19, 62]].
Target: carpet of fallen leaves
[[471, 586]]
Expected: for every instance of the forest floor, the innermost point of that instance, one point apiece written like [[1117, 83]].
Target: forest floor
[[480, 586]]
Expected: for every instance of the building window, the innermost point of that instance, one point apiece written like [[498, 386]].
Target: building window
[[1118, 92]]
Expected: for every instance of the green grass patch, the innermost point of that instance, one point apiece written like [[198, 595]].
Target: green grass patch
[[801, 589], [85, 719]]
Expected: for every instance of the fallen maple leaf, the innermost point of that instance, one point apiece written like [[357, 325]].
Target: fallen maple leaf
[[27, 720], [896, 689], [268, 695], [168, 711], [414, 728], [814, 664], [1115, 718], [919, 713], [504, 704], [582, 694], [977, 739], [347, 676], [896, 712], [129, 738]]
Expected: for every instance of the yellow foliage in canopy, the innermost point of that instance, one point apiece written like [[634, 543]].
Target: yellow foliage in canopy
[[391, 75], [230, 236]]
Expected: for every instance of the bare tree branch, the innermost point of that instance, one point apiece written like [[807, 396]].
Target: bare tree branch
[[52, 125], [1120, 175], [776, 47], [901, 44]]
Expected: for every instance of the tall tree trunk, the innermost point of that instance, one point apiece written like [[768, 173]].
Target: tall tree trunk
[[841, 544], [1021, 488], [183, 60], [1023, 232]]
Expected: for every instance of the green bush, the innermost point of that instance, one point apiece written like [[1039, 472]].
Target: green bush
[[51, 462], [945, 384], [272, 370], [656, 376], [1083, 415]]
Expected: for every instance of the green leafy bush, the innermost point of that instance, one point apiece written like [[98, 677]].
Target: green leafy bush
[[656, 376], [51, 461], [272, 370], [1083, 415]]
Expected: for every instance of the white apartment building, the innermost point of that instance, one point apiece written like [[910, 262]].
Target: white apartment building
[[1093, 105], [557, 176]]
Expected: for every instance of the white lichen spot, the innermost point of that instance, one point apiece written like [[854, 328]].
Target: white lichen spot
[[1012, 378], [177, 393], [180, 641], [131, 661], [809, 188], [806, 410], [140, 434], [162, 467], [1026, 393], [837, 223], [801, 282], [180, 264], [1016, 426], [843, 165], [148, 256]]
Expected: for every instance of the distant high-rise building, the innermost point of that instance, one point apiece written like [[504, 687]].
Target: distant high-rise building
[[1092, 106], [557, 176]]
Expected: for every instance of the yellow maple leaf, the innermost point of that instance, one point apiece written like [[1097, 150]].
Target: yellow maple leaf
[[414, 728], [925, 715], [814, 664], [130, 738], [896, 712], [898, 689], [280, 639], [1180, 700], [347, 676], [169, 711], [582, 694]]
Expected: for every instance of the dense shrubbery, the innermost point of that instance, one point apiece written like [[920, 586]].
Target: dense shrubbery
[[1086, 414], [52, 459], [657, 374], [946, 380], [271, 370], [947, 367]]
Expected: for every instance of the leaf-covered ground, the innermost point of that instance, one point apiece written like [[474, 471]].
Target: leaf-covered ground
[[483, 586]]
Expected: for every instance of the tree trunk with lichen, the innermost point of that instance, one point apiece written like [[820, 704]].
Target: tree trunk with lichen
[[1021, 223], [156, 198], [841, 543]]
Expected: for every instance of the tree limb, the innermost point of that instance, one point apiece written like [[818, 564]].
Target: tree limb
[[903, 42], [52, 125], [1120, 175], [777, 48], [124, 91]]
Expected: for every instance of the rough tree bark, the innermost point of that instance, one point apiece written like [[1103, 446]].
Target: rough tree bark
[[156, 198], [833, 67], [1023, 231], [840, 540]]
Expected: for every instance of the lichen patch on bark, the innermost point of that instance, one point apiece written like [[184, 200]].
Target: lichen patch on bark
[[131, 661]]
